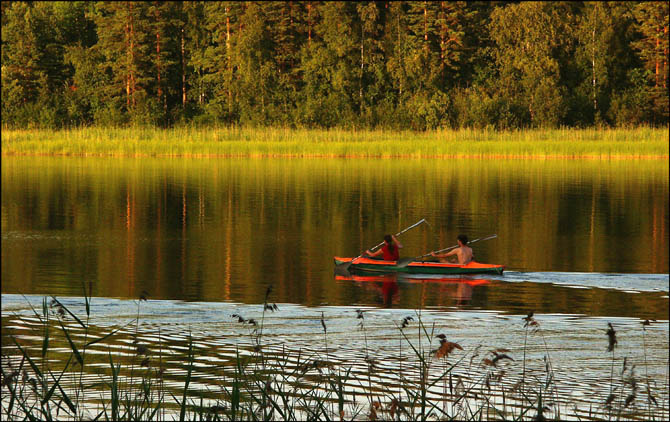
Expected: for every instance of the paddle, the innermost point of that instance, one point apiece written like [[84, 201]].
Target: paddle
[[345, 265], [402, 263]]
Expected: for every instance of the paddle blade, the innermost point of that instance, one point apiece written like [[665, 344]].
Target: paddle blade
[[402, 263], [343, 265], [342, 270]]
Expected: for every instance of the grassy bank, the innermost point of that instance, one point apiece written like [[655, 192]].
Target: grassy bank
[[435, 378], [270, 142]]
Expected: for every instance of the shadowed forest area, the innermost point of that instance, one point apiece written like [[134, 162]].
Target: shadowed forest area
[[390, 65]]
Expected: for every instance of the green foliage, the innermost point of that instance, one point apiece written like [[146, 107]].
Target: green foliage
[[633, 105], [532, 41], [397, 65]]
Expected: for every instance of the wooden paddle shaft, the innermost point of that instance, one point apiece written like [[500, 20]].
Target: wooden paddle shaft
[[452, 247]]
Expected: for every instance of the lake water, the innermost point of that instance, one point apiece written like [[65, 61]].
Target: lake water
[[584, 243]]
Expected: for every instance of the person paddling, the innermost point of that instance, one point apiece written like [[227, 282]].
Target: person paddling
[[463, 252], [390, 249]]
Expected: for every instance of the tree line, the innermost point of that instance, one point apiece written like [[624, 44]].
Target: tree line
[[398, 65]]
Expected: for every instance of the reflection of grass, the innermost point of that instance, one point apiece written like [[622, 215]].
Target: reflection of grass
[[191, 141], [282, 385]]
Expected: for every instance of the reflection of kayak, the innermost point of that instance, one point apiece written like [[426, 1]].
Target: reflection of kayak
[[376, 265], [403, 278]]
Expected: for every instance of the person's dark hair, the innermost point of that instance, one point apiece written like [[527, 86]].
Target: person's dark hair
[[389, 241], [463, 238]]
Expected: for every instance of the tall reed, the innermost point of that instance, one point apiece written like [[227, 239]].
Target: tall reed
[[642, 142]]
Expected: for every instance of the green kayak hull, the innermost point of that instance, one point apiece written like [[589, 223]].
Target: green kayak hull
[[373, 265]]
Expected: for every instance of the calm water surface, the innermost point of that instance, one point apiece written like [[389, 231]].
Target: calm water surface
[[584, 243]]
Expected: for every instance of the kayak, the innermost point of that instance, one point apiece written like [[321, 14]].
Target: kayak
[[377, 265]]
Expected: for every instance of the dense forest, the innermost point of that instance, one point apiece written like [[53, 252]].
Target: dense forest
[[397, 65]]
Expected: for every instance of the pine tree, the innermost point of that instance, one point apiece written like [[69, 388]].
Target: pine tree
[[35, 76], [652, 23], [220, 75], [195, 39], [22, 73], [122, 32]]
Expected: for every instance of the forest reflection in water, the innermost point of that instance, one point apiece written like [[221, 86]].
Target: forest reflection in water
[[223, 229]]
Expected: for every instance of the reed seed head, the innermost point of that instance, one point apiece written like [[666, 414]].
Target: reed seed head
[[647, 322], [142, 349], [529, 320], [611, 336], [499, 356], [217, 409], [392, 408], [446, 347], [7, 381], [373, 410]]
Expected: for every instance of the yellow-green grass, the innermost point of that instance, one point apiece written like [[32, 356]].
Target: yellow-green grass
[[642, 142]]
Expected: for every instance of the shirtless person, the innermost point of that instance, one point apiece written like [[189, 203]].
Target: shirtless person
[[463, 252]]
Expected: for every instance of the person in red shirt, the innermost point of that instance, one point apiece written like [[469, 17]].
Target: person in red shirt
[[389, 250]]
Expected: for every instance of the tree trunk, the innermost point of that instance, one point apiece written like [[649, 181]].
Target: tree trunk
[[158, 65], [309, 24], [593, 67], [443, 31], [658, 43], [158, 60], [228, 67], [183, 71], [127, 33], [425, 23], [132, 56], [360, 76], [665, 58]]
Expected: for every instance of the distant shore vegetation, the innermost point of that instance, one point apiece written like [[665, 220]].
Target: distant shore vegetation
[[400, 66], [637, 143]]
